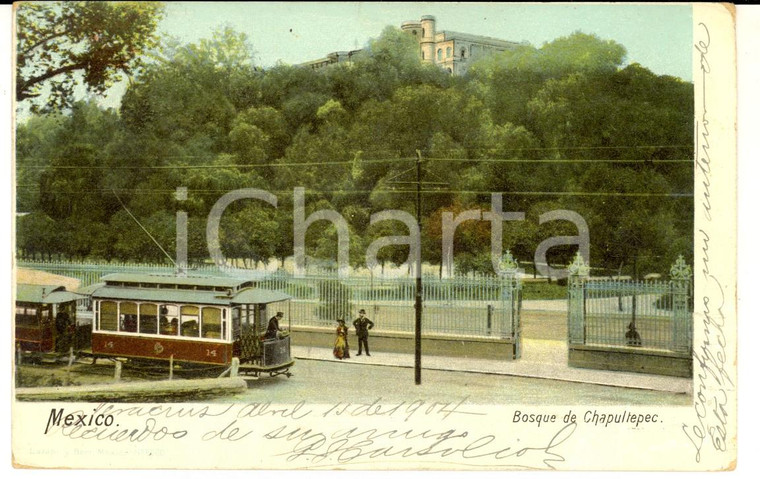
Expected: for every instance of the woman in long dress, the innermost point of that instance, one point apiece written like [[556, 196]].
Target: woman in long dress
[[341, 350]]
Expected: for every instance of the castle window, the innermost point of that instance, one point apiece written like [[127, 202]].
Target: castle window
[[463, 53], [423, 32], [448, 52], [440, 54], [423, 55], [414, 32]]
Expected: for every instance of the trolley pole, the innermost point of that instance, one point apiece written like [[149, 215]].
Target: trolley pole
[[418, 283]]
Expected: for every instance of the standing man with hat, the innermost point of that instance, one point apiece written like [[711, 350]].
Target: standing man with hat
[[362, 324]]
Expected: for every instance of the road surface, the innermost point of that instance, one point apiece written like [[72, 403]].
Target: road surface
[[330, 381]]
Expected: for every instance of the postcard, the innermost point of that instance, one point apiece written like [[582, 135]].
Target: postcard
[[374, 236]]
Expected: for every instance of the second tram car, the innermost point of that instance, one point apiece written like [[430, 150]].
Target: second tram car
[[46, 320], [189, 320]]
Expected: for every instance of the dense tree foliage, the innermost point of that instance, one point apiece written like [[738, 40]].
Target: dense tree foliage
[[563, 126], [56, 41]]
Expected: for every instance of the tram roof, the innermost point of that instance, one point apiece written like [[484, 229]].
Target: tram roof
[[161, 295], [258, 296], [44, 294], [206, 281], [245, 296]]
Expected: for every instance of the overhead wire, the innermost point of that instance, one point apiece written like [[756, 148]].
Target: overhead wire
[[392, 191], [349, 162]]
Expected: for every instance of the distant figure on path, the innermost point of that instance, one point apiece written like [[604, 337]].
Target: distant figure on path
[[362, 324], [633, 338], [341, 350]]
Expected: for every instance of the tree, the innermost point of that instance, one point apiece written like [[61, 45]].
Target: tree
[[272, 123], [37, 233], [35, 145], [508, 80], [133, 244], [189, 98], [59, 40], [557, 127], [75, 182], [248, 234], [581, 52]]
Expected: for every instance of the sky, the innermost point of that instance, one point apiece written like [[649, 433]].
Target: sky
[[656, 36], [659, 37]]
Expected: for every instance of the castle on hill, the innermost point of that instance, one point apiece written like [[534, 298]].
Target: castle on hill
[[452, 51]]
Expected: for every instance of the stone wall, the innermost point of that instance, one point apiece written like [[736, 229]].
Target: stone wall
[[397, 342]]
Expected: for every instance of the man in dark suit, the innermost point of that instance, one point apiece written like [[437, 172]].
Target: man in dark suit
[[273, 327], [362, 324]]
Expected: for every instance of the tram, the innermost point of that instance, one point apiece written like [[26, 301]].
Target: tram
[[189, 321], [47, 326]]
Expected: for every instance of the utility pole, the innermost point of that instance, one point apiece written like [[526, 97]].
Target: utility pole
[[418, 266], [418, 283]]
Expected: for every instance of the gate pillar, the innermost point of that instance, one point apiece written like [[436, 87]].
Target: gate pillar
[[578, 272], [680, 287], [511, 299]]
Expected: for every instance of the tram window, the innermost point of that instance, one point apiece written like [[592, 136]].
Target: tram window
[[211, 325], [168, 319], [148, 319], [26, 317], [189, 321], [128, 317], [235, 322], [108, 319]]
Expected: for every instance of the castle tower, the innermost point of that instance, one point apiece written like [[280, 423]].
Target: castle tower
[[427, 39], [413, 28]]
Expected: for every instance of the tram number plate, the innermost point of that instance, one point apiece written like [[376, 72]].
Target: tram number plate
[[211, 352], [108, 345]]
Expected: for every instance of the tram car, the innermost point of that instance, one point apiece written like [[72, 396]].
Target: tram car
[[194, 322], [46, 323]]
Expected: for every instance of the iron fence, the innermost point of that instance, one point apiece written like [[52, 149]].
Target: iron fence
[[651, 315], [90, 272], [464, 306]]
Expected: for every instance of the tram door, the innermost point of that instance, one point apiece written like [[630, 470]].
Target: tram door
[[253, 326]]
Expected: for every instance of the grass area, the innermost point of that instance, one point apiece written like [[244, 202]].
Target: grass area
[[543, 290], [46, 375], [84, 372]]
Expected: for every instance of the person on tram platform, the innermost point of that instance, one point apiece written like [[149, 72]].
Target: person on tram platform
[[273, 328]]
